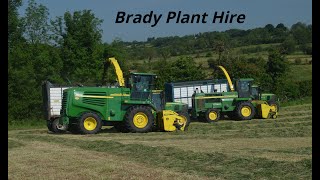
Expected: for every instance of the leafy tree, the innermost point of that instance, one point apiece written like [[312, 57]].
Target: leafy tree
[[81, 46], [289, 45], [182, 69], [301, 33], [219, 48], [269, 27], [277, 66], [165, 53], [14, 24], [36, 23]]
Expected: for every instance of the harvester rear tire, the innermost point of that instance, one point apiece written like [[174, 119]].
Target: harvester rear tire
[[139, 116], [212, 115], [245, 111], [89, 123]]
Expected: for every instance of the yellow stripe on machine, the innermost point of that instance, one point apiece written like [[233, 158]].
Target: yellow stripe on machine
[[90, 96], [119, 94], [214, 97]]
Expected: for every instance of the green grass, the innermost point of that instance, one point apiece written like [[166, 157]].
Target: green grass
[[305, 100], [300, 72], [26, 124], [14, 144], [257, 149]]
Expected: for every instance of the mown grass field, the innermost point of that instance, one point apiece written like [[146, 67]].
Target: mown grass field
[[256, 149]]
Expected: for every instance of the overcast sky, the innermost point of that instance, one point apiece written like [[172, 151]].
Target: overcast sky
[[258, 14]]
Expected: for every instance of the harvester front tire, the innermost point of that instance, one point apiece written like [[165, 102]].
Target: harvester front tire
[[120, 126], [139, 119], [89, 123], [273, 103], [187, 117], [212, 115], [245, 111]]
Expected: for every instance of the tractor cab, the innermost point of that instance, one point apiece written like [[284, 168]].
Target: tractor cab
[[244, 87]]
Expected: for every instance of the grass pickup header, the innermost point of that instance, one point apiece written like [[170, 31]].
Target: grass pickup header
[[179, 18]]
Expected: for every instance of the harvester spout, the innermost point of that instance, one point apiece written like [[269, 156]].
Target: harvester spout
[[228, 78]]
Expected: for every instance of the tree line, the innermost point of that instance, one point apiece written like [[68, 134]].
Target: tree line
[[69, 49]]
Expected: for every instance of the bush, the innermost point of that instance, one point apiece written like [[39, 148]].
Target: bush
[[305, 88], [209, 54], [212, 62], [297, 61]]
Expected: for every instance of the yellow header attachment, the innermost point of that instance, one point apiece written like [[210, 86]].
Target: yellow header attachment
[[118, 70], [228, 78]]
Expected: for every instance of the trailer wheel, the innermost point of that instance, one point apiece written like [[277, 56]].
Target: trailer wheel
[[139, 119], [89, 123], [53, 126], [212, 115], [245, 111], [49, 125]]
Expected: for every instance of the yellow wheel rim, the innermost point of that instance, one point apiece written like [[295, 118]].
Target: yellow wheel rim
[[140, 120], [213, 116], [246, 111], [90, 123]]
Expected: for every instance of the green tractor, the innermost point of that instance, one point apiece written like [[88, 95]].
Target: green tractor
[[134, 106], [243, 102]]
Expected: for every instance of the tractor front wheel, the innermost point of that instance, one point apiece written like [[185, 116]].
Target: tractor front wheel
[[139, 119], [245, 111], [89, 123], [212, 115]]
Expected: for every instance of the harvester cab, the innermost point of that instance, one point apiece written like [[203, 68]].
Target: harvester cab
[[141, 85]]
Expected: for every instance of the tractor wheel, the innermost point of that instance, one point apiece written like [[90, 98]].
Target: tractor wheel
[[89, 123], [185, 122], [139, 119], [53, 126], [212, 115], [245, 111]]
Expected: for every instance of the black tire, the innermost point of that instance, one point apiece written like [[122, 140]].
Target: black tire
[[120, 127], [231, 115], [49, 125], [188, 120], [245, 111], [73, 128], [89, 123], [139, 119], [274, 103], [53, 126], [212, 115]]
